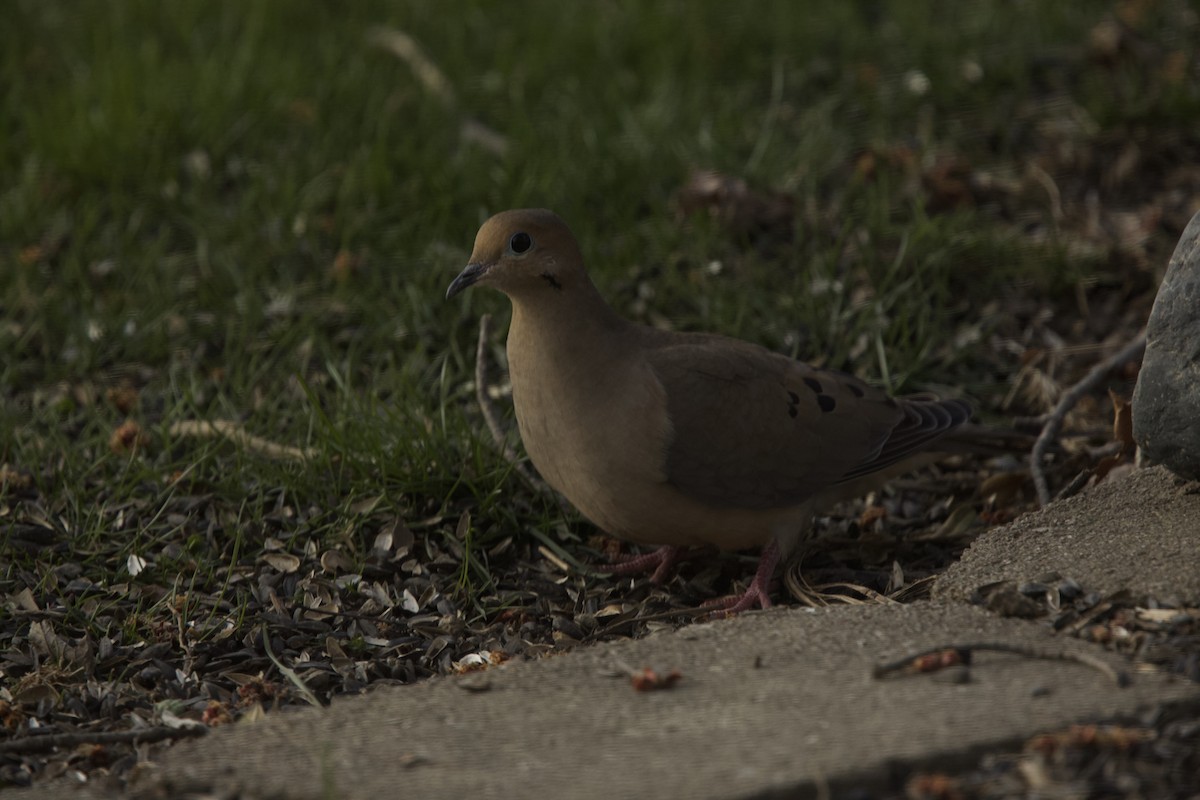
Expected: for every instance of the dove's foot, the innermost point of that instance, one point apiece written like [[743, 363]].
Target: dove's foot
[[662, 561], [757, 593]]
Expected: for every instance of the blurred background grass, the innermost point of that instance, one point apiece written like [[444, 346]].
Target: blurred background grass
[[250, 211]]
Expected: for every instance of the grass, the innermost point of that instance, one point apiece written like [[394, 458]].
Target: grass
[[187, 176], [248, 211]]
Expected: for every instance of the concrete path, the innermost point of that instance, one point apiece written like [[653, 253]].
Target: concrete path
[[773, 704]]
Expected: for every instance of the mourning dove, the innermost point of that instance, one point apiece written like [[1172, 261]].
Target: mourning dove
[[682, 439]]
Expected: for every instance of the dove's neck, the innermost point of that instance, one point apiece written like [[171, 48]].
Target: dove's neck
[[564, 331]]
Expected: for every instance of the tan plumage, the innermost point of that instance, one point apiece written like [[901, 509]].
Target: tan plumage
[[681, 439]]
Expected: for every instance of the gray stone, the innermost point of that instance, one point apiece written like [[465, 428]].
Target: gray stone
[[1166, 402]]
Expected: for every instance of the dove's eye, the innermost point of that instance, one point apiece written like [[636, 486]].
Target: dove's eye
[[520, 243]]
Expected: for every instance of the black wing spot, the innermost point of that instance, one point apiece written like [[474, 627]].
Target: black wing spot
[[793, 404], [813, 384], [855, 389], [553, 281], [826, 403]]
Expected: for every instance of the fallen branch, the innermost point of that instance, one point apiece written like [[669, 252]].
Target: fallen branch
[[42, 744], [937, 658], [1054, 421]]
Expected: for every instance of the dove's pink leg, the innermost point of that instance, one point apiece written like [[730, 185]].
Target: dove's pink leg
[[662, 561], [758, 592]]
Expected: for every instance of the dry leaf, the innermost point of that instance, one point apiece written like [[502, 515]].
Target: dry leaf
[[959, 521], [336, 562], [10, 477], [45, 640], [25, 600], [216, 713], [35, 694], [284, 562], [402, 535], [365, 506], [1163, 616], [1004, 487], [122, 398], [128, 436], [409, 603], [870, 515], [1104, 467], [647, 680], [383, 541], [176, 722], [253, 714], [735, 205], [1123, 423], [345, 264]]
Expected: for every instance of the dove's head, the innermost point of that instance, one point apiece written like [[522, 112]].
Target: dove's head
[[522, 253]]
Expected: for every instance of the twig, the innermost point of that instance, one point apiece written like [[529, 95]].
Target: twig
[[548, 554], [1073, 488], [1055, 420], [349, 614], [491, 416], [431, 77], [234, 432], [1029, 424], [951, 655], [406, 48], [675, 613], [41, 744], [1042, 177]]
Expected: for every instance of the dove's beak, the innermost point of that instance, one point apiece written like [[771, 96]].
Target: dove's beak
[[470, 274]]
